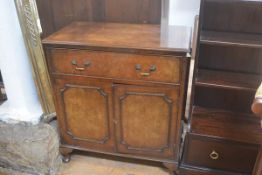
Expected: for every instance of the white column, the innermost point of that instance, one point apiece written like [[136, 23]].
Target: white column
[[22, 103], [182, 12]]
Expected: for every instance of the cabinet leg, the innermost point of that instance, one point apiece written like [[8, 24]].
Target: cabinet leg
[[65, 152], [172, 168]]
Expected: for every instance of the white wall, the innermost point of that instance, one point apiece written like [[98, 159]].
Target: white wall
[[182, 12], [23, 103]]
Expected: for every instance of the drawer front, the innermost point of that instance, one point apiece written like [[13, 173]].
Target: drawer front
[[115, 65], [219, 154]]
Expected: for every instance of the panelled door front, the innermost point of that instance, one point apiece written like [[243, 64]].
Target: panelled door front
[[146, 120], [85, 113]]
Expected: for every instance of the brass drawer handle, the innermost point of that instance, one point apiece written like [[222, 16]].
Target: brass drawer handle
[[152, 68], [86, 64], [214, 155], [80, 68], [145, 74]]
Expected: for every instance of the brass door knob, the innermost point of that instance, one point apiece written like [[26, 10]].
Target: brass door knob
[[214, 155]]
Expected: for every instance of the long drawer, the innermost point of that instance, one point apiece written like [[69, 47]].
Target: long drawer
[[115, 65], [219, 154]]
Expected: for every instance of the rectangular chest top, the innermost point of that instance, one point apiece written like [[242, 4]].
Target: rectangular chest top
[[132, 37]]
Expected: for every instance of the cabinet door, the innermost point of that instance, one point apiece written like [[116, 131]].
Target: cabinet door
[[147, 121], [84, 111]]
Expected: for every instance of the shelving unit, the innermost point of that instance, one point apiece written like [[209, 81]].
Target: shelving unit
[[228, 70]]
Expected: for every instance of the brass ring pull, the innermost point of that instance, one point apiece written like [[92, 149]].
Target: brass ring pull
[[86, 64], [214, 155]]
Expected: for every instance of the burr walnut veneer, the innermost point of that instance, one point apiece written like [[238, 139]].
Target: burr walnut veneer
[[119, 88]]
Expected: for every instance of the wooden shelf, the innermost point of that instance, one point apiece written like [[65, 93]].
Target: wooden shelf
[[226, 124], [231, 39], [228, 80]]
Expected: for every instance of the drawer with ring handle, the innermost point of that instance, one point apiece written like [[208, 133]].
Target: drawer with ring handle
[[202, 151]]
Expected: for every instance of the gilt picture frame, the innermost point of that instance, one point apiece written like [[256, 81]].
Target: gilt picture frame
[[31, 29]]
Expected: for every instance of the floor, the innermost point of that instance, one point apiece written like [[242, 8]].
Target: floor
[[108, 165]]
